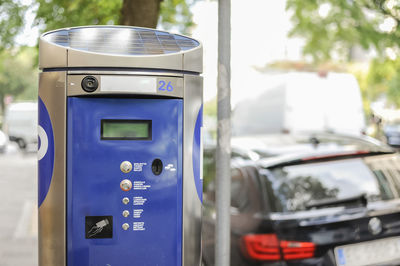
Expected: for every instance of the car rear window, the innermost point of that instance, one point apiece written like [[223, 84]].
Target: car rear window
[[295, 186]]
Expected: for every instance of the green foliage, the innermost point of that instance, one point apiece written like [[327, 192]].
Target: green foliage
[[209, 168], [361, 77], [383, 78], [17, 75], [380, 72], [53, 14], [210, 108], [11, 21], [394, 90], [176, 13], [335, 26]]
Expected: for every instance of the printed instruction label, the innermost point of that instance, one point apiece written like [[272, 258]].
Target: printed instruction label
[[140, 185], [138, 226], [138, 167], [137, 213], [139, 201]]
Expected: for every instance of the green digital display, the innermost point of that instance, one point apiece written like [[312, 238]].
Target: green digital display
[[126, 129]]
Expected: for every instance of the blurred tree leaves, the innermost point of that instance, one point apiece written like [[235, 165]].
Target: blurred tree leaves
[[335, 26], [53, 14], [332, 28], [176, 13], [11, 21], [17, 75], [210, 107], [384, 79]]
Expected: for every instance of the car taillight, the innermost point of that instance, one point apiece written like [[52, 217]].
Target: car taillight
[[262, 247], [293, 250], [267, 247]]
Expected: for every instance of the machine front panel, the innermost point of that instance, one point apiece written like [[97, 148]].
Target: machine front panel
[[124, 182]]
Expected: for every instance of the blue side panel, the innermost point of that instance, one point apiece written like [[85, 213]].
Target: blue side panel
[[197, 155], [45, 152], [93, 184]]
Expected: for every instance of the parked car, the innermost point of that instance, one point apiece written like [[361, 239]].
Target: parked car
[[20, 123], [335, 202], [3, 142], [392, 134]]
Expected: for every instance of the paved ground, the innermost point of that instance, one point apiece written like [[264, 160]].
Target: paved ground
[[18, 208]]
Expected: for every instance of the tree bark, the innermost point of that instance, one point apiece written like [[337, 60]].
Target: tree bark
[[141, 13]]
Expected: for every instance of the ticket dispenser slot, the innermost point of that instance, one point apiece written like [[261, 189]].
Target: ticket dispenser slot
[[102, 134]]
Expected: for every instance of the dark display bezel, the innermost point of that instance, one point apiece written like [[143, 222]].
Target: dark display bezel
[[127, 121]]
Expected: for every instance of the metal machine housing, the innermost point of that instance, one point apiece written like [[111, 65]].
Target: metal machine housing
[[64, 66]]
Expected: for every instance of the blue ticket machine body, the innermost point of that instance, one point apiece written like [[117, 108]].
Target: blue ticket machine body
[[102, 134]]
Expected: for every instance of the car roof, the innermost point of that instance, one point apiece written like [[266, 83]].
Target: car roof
[[22, 106], [280, 149]]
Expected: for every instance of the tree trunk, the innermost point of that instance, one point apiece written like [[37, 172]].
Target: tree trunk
[[141, 13]]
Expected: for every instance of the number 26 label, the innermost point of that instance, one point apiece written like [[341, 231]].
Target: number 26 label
[[164, 86]]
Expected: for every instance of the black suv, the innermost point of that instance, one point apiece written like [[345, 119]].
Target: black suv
[[313, 199]]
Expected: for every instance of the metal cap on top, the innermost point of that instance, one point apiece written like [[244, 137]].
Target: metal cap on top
[[119, 47]]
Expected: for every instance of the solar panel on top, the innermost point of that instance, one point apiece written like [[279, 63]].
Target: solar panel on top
[[121, 40]]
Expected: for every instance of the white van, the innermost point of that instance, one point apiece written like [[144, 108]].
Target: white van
[[303, 102], [20, 123]]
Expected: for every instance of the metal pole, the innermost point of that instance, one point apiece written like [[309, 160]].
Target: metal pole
[[223, 159]]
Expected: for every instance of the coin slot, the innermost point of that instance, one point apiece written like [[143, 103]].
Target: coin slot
[[157, 166]]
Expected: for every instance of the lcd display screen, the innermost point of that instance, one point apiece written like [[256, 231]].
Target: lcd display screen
[[126, 129]]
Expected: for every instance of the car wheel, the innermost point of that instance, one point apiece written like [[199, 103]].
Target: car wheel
[[21, 144]]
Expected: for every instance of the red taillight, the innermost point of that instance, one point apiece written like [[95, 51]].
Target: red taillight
[[268, 247], [262, 247], [293, 250]]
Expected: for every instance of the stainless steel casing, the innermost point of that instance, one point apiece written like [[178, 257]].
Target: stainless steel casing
[[183, 69], [52, 241], [52, 55], [192, 206]]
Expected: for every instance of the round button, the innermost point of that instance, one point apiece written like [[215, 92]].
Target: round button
[[89, 84], [126, 166], [125, 200], [125, 213], [126, 185], [125, 226]]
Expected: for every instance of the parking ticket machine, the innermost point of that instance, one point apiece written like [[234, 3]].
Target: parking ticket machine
[[120, 117]]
